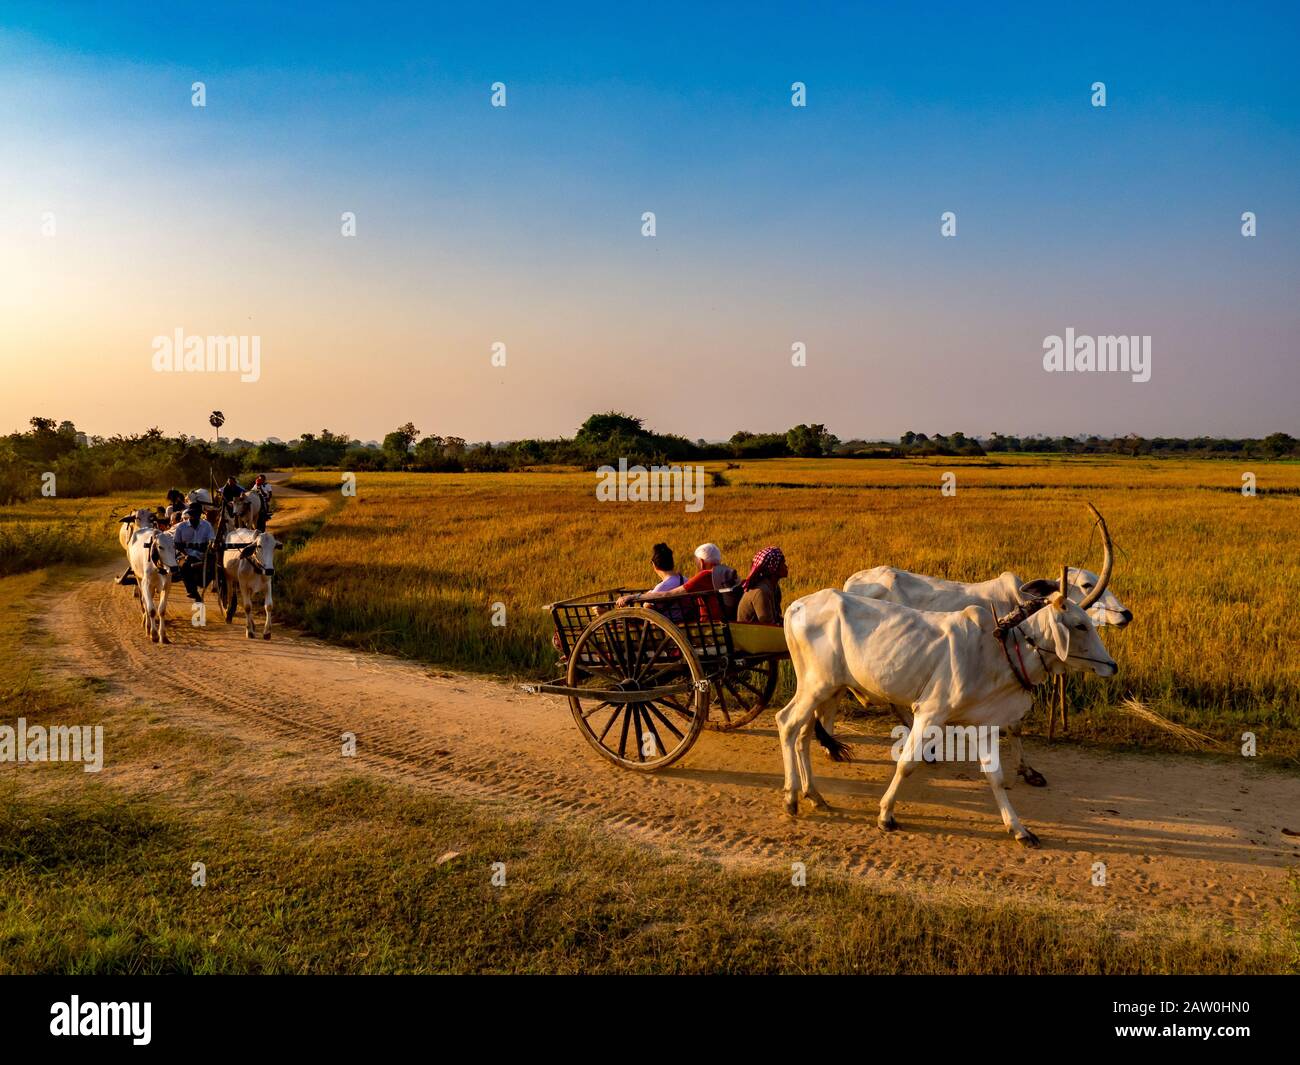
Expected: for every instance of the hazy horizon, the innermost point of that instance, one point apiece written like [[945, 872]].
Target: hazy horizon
[[776, 224]]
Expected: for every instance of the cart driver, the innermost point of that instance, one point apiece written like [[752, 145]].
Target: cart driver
[[761, 603], [231, 490], [263, 488], [192, 538]]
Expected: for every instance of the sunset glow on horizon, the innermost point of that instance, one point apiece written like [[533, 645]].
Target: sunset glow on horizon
[[775, 225]]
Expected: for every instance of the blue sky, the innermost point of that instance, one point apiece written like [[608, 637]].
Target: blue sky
[[775, 224]]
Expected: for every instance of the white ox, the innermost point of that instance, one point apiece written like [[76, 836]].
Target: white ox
[[950, 668], [128, 525], [1003, 594], [153, 561], [249, 558], [246, 510]]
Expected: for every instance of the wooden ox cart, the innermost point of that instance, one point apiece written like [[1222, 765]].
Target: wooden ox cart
[[643, 681]]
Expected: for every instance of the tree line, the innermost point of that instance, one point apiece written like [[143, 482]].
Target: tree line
[[92, 465]]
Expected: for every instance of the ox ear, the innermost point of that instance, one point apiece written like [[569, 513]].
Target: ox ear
[[278, 545], [1056, 622], [1039, 589]]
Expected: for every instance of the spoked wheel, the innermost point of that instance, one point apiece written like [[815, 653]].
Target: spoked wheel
[[741, 693], [629, 651]]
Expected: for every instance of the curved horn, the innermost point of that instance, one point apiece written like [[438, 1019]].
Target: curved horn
[[1107, 565]]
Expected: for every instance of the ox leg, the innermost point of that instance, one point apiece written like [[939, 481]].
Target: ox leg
[[1032, 776], [824, 711], [907, 718], [162, 613], [232, 592], [266, 630], [249, 629], [908, 758], [146, 609], [993, 772], [791, 720]]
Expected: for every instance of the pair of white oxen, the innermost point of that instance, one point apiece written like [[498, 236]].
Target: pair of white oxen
[[248, 558], [959, 656]]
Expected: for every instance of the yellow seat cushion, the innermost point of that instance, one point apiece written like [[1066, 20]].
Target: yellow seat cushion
[[758, 639]]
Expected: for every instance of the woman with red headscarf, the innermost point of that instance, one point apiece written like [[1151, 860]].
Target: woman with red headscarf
[[761, 603]]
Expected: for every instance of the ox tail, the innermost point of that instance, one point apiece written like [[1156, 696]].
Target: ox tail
[[838, 752]]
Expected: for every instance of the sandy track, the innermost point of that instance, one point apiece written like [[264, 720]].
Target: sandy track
[[1177, 834]]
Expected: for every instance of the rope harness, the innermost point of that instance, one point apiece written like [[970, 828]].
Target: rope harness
[[249, 555], [1007, 626]]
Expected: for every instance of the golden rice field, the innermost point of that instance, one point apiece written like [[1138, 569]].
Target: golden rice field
[[415, 562]]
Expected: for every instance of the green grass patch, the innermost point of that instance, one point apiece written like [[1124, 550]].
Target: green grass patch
[[27, 546]]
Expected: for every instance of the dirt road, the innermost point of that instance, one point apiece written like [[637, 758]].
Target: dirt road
[[1180, 835]]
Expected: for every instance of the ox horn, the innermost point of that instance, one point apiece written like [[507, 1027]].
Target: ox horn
[[1107, 565]]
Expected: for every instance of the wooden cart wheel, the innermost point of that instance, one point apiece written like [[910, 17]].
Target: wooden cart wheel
[[634, 650], [741, 694]]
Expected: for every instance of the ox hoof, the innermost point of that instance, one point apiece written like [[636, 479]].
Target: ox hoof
[[1033, 777], [886, 824], [266, 635], [791, 805], [1028, 839], [251, 635], [816, 801]]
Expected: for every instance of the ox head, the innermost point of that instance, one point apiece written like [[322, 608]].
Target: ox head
[[139, 519], [1107, 610], [1065, 626], [162, 554], [260, 551], [1090, 590]]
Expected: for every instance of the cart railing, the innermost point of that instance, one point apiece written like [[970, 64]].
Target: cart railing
[[699, 615]]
